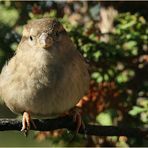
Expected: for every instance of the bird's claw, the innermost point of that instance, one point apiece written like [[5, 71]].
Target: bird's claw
[[26, 123], [76, 112]]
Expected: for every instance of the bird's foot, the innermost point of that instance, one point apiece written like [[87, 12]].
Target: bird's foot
[[26, 123], [76, 112]]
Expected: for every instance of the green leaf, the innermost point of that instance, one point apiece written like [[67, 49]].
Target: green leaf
[[104, 118], [136, 110], [8, 15]]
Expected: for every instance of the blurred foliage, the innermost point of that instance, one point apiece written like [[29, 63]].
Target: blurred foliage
[[118, 93]]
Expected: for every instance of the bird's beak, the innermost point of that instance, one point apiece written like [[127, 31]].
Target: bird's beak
[[45, 40]]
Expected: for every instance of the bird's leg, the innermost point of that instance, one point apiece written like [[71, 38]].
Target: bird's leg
[[26, 123], [76, 112]]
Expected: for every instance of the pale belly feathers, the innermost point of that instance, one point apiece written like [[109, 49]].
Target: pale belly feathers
[[43, 88]]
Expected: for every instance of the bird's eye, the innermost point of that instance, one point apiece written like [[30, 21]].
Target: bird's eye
[[31, 38]]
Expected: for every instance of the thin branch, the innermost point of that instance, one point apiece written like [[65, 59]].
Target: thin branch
[[67, 123]]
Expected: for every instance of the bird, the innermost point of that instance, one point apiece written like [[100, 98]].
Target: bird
[[47, 76]]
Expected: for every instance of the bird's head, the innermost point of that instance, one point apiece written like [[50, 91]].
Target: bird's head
[[43, 33]]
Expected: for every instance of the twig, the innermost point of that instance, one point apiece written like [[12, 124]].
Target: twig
[[67, 123]]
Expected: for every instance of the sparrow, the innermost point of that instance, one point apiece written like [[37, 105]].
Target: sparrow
[[47, 76]]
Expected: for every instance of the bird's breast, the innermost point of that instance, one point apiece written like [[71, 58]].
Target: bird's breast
[[39, 83], [26, 77]]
